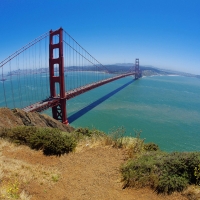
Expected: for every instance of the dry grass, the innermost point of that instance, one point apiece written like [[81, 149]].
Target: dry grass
[[24, 196], [18, 176], [90, 174], [90, 142], [192, 192], [133, 146], [130, 144], [15, 174], [11, 191]]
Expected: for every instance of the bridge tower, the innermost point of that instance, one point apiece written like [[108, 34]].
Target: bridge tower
[[58, 111], [137, 68]]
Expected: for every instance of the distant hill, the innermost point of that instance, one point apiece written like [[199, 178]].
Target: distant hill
[[146, 70], [125, 67]]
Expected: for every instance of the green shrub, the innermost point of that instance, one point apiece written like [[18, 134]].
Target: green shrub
[[51, 141], [88, 132], [197, 174], [20, 134], [164, 172], [151, 147], [171, 183], [81, 133], [84, 131], [142, 171]]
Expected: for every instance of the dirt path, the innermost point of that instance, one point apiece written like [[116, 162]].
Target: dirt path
[[89, 174]]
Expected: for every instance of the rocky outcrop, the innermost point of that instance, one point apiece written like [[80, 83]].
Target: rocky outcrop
[[17, 117], [8, 119]]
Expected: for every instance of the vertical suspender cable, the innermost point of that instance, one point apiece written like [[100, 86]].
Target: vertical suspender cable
[[64, 56], [4, 88], [11, 84], [69, 83], [18, 80], [88, 68], [79, 76], [27, 79], [45, 67], [80, 66], [77, 82], [34, 71], [73, 65], [83, 68], [31, 65], [20, 85], [40, 72]]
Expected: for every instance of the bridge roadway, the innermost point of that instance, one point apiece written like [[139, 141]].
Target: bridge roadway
[[54, 101]]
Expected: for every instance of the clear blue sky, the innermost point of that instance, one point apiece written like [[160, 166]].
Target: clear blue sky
[[161, 33]]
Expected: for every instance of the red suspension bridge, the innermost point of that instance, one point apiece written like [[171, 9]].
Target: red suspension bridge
[[26, 79]]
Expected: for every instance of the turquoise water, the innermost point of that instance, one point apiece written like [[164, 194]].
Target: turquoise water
[[165, 108]]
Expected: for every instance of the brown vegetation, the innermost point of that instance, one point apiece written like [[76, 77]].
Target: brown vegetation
[[92, 171]]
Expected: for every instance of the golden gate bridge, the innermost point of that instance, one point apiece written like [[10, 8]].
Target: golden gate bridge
[[23, 72]]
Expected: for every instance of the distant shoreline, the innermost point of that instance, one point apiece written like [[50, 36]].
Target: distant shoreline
[[113, 69]]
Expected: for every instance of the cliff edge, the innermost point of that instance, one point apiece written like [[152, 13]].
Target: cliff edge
[[17, 117]]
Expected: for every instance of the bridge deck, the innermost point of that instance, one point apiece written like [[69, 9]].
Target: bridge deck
[[53, 101]]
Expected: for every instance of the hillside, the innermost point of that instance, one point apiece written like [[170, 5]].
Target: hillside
[[16, 117], [92, 171]]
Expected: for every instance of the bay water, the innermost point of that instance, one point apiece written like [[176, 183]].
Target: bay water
[[165, 108]]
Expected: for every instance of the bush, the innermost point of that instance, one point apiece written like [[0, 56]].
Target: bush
[[172, 183], [51, 141], [197, 174], [20, 134], [142, 171], [163, 172], [151, 147], [82, 132]]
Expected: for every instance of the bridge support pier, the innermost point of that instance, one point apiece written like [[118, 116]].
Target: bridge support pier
[[59, 111]]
